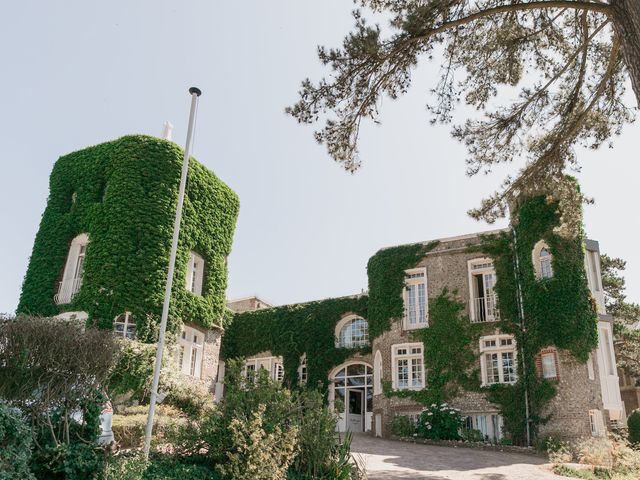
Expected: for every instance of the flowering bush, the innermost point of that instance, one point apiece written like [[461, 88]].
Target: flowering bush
[[440, 422]]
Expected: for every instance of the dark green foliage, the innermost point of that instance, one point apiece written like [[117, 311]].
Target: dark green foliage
[[74, 461], [633, 423], [15, 445], [293, 330], [123, 194], [439, 422], [402, 426], [386, 272]]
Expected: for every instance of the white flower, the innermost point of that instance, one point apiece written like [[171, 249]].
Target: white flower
[[428, 427], [429, 413], [452, 412], [433, 405]]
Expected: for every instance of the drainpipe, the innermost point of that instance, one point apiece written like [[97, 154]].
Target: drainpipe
[[523, 328]]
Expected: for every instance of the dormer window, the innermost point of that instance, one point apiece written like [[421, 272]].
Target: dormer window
[[195, 273], [73, 270], [542, 260], [125, 326]]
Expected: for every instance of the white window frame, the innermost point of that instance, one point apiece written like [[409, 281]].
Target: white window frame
[[415, 277], [546, 373], [347, 322], [498, 348], [73, 270], [410, 355], [128, 326], [190, 351], [537, 260], [195, 273], [303, 373], [273, 365], [482, 266]]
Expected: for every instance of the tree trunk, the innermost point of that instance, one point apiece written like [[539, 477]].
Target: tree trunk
[[626, 21]]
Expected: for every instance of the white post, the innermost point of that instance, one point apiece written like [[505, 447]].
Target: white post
[[195, 93]]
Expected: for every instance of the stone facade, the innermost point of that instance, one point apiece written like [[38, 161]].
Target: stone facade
[[578, 408]]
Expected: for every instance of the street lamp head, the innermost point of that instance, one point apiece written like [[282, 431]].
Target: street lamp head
[[195, 90]]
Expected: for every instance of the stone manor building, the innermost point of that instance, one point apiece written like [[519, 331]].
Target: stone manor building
[[588, 398], [101, 255]]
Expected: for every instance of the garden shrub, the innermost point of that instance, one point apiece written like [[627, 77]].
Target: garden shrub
[[402, 426], [633, 423], [472, 435], [257, 454], [439, 422], [129, 424], [15, 445]]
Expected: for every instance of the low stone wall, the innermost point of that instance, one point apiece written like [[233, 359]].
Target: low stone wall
[[476, 445]]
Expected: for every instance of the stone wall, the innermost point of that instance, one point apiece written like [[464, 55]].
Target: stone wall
[[447, 267]]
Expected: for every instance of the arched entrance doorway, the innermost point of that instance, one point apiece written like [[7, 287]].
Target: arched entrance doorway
[[351, 395]]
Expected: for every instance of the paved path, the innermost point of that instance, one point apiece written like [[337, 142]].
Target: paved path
[[393, 460]]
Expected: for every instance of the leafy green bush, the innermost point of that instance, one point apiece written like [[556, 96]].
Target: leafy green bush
[[129, 424], [472, 435], [633, 423], [134, 467], [69, 461], [439, 422], [15, 445], [402, 426]]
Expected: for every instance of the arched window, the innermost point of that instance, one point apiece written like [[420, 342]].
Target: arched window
[[124, 325], [73, 270], [195, 273], [542, 260], [352, 332], [377, 373]]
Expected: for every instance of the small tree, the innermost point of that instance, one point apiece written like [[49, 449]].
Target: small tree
[[633, 422], [53, 371]]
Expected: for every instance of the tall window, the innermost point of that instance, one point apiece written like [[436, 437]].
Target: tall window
[[195, 273], [408, 366], [596, 422], [124, 325], [302, 370], [352, 332], [190, 351], [482, 278], [498, 359], [542, 260], [547, 363], [415, 298], [73, 270]]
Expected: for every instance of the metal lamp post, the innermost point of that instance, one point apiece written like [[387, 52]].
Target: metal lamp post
[[195, 93]]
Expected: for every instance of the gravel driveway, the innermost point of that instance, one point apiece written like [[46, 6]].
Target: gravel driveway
[[389, 459]]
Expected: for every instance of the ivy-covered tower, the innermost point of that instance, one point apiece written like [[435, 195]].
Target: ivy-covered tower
[[102, 250]]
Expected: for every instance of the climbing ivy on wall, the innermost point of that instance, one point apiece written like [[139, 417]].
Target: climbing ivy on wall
[[558, 311], [293, 330], [123, 194], [386, 272], [448, 352]]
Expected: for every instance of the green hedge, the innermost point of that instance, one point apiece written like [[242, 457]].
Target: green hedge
[[123, 194]]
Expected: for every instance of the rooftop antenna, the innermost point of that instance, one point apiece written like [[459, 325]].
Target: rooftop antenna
[[195, 93], [167, 129]]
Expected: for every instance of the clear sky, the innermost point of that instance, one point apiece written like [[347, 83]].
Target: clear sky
[[77, 73]]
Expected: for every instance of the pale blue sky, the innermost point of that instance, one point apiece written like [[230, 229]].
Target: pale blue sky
[[77, 73]]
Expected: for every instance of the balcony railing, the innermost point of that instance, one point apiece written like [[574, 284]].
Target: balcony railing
[[485, 309], [67, 290]]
